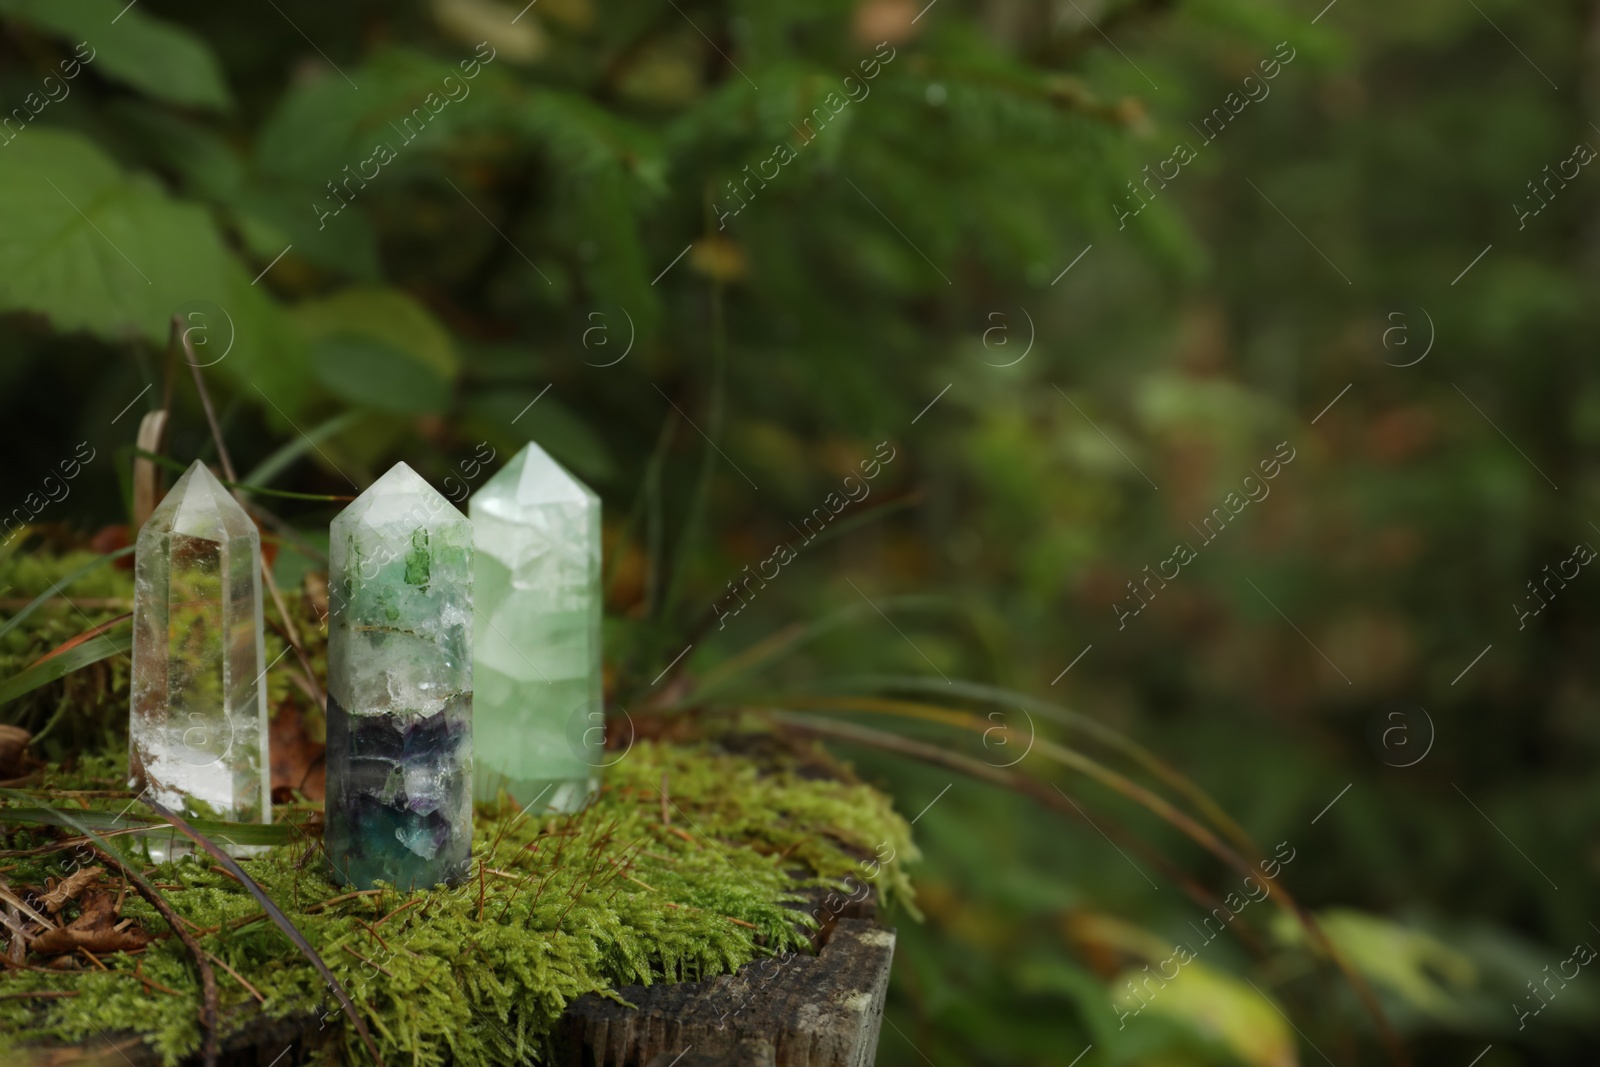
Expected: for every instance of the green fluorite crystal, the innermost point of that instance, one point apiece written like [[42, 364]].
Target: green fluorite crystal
[[399, 799], [197, 730], [538, 637]]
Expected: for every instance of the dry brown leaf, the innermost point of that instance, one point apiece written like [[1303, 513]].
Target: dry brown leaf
[[297, 761], [72, 887], [94, 930]]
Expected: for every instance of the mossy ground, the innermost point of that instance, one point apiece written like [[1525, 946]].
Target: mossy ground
[[557, 906]]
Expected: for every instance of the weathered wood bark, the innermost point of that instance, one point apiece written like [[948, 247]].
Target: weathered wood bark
[[806, 1011]]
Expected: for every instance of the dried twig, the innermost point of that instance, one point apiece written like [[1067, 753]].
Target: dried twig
[[279, 918], [17, 902], [291, 631], [237, 977], [208, 979]]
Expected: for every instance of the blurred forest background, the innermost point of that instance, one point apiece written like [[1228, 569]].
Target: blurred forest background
[[964, 254]]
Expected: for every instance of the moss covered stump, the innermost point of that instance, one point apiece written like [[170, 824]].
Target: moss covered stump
[[600, 937]]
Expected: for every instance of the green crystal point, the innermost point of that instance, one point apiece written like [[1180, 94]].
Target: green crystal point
[[197, 728], [399, 800], [537, 654]]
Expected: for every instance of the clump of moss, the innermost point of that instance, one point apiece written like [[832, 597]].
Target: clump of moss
[[88, 709], [557, 906]]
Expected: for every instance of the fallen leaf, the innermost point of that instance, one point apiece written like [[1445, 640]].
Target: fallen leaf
[[73, 887], [297, 760], [95, 930]]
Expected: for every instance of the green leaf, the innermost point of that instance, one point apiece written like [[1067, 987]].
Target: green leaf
[[128, 46], [96, 249], [320, 126], [1213, 1004], [381, 349], [79, 656], [1429, 975], [376, 374], [107, 252], [505, 418]]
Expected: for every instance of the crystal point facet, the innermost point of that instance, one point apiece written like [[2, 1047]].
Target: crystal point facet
[[197, 732], [399, 797], [538, 638]]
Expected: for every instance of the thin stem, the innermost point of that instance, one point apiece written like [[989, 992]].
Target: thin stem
[[291, 631]]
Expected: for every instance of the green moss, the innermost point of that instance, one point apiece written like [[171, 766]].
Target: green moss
[[88, 709], [558, 906]]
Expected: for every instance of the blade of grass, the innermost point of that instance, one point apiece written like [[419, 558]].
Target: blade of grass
[[243, 487], [1106, 735], [1156, 805], [1024, 784], [234, 833], [280, 460], [289, 929], [876, 513], [52, 666], [17, 619], [87, 635], [786, 642]]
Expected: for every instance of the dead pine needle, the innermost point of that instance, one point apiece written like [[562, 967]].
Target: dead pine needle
[[368, 962], [413, 902], [369, 928], [344, 897], [151, 983], [237, 977]]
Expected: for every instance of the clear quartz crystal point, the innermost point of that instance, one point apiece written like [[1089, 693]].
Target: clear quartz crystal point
[[197, 730], [540, 720], [399, 797]]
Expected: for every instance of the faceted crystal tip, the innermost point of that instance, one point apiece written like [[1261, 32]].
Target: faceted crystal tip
[[529, 479], [400, 497], [199, 506]]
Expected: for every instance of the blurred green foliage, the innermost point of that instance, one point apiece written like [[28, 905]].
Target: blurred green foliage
[[551, 257]]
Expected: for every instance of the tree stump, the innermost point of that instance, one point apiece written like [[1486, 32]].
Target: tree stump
[[807, 1011]]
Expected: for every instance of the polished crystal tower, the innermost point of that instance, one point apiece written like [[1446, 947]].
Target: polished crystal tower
[[399, 797], [540, 721], [197, 730]]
